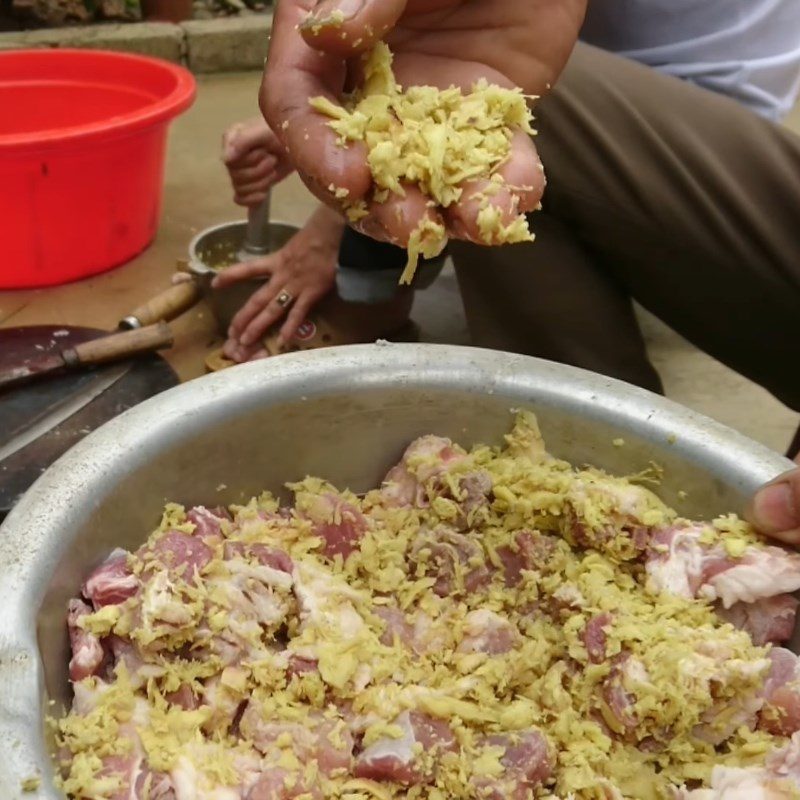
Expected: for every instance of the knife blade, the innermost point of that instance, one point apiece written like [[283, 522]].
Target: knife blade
[[115, 347], [61, 412]]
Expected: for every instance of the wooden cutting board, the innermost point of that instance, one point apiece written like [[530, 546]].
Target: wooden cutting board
[[29, 407]]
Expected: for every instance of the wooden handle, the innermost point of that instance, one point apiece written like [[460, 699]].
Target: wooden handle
[[166, 306], [120, 345]]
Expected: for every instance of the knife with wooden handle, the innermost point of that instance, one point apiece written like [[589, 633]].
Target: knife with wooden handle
[[106, 349], [168, 305]]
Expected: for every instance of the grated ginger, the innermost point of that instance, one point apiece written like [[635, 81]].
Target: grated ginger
[[488, 568], [434, 139]]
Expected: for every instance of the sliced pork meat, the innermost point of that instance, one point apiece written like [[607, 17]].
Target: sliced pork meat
[[594, 637], [178, 552], [397, 630], [87, 651], [469, 493], [488, 632], [192, 782], [455, 561], [258, 598], [153, 786], [328, 742], [768, 621], [610, 515], [681, 563], [527, 765], [207, 523], [675, 561], [530, 551], [409, 759], [130, 771], [125, 652], [264, 554], [130, 774], [326, 606], [339, 524], [276, 783], [617, 707], [734, 783], [781, 712], [784, 764], [226, 702], [475, 489], [86, 695], [112, 582], [183, 698], [301, 666], [424, 459], [760, 573], [784, 668]]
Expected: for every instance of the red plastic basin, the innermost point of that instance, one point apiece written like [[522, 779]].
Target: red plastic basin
[[82, 143]]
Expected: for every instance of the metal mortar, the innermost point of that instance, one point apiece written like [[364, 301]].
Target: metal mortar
[[221, 246]]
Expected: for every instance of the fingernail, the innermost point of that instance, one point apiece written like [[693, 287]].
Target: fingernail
[[332, 12], [230, 151], [774, 508]]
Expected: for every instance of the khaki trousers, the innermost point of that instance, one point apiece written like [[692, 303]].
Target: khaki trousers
[[658, 192]]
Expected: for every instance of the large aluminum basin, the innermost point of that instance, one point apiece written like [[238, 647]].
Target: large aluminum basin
[[344, 414]]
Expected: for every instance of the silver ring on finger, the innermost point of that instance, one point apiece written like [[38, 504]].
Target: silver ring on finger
[[284, 299]]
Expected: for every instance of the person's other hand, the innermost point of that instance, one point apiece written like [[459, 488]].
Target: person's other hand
[[435, 42], [256, 160], [775, 509], [300, 274]]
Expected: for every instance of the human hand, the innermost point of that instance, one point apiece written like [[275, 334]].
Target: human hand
[[775, 509], [256, 160], [303, 271], [435, 42]]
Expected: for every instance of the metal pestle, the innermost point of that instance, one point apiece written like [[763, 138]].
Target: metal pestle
[[257, 237]]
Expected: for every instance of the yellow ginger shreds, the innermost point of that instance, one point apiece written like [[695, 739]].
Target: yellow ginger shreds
[[174, 518], [493, 231], [31, 784], [356, 211], [428, 240], [736, 535], [435, 139], [169, 731], [525, 439], [264, 502], [86, 779]]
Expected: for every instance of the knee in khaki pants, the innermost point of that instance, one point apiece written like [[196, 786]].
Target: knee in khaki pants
[[661, 192]]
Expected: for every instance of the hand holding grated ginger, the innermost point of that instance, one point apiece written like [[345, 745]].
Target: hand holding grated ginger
[[443, 141], [316, 51]]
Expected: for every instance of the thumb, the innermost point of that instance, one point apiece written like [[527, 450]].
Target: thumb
[[775, 509], [348, 27]]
